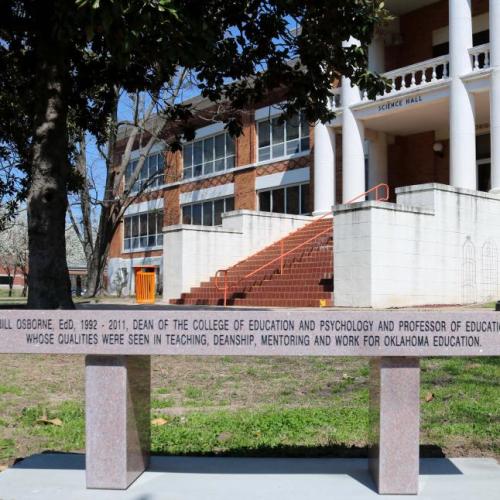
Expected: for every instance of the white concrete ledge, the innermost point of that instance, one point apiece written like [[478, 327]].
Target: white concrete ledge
[[380, 205], [434, 186], [200, 228]]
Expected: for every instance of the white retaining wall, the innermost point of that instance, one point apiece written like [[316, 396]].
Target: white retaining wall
[[437, 245], [193, 254]]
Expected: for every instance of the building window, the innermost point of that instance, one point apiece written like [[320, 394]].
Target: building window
[[151, 174], [143, 230], [282, 138], [207, 213], [285, 200], [209, 155]]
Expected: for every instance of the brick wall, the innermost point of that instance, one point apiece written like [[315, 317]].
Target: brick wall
[[115, 249], [412, 161], [246, 143], [416, 29], [244, 190], [172, 212]]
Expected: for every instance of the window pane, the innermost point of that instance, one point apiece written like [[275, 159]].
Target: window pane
[[197, 214], [265, 201], [304, 198], [220, 146], [127, 231], [230, 162], [188, 155], [144, 225], [135, 226], [152, 165], [278, 131], [292, 128], [208, 168], [159, 222], [207, 213], [304, 126], [198, 170], [264, 154], [264, 134], [128, 172], [159, 239], [198, 152], [229, 204], [208, 149], [218, 210], [292, 147], [186, 214], [304, 144], [278, 204], [161, 162], [292, 200], [229, 145], [151, 240], [144, 169], [219, 165], [279, 150], [136, 243], [152, 223], [188, 173], [126, 245]]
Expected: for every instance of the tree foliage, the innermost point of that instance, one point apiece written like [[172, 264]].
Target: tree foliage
[[63, 61]]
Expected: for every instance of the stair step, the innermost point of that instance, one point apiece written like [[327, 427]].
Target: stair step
[[307, 279]]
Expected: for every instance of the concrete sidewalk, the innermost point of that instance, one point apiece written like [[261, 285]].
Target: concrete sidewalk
[[62, 477]]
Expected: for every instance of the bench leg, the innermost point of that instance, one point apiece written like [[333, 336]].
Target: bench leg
[[117, 410], [395, 424]]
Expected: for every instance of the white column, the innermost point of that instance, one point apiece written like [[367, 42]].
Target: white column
[[462, 119], [353, 157], [377, 149], [495, 94], [324, 169], [377, 161], [376, 54]]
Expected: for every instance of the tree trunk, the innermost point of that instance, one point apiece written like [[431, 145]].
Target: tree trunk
[[48, 281], [11, 283], [25, 285], [95, 270]]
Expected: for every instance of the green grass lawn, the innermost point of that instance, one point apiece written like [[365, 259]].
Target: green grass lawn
[[254, 406]]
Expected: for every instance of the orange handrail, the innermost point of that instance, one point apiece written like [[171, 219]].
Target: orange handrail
[[282, 255]]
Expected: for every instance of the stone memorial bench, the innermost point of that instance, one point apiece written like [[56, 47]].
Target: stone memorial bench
[[118, 345]]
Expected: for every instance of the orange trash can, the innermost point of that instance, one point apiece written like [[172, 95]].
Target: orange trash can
[[145, 285]]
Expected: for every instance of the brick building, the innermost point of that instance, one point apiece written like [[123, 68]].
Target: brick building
[[438, 123]]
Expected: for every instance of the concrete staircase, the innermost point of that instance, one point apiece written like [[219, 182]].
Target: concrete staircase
[[307, 279]]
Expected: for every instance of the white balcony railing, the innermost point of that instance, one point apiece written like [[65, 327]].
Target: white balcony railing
[[416, 75], [421, 74], [480, 57]]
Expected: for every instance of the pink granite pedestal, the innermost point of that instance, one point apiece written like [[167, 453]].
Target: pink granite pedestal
[[395, 424], [117, 395]]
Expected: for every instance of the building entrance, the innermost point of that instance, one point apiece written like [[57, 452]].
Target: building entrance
[[483, 162]]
